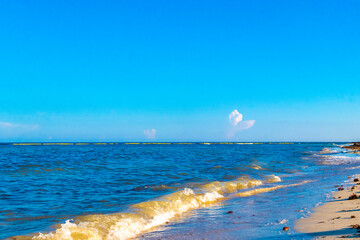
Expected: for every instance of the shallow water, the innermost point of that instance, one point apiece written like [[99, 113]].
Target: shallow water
[[173, 191]]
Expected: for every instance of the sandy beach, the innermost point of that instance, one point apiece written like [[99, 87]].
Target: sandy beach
[[339, 217]]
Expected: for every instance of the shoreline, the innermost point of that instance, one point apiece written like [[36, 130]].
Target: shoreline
[[338, 217], [265, 216]]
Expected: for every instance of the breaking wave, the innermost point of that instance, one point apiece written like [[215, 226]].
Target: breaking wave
[[337, 160], [144, 216]]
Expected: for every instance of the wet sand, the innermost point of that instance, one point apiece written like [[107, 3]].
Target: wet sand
[[337, 218]]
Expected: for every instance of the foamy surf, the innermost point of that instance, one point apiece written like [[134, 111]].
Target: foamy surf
[[146, 215], [338, 160], [336, 156], [267, 189], [329, 151]]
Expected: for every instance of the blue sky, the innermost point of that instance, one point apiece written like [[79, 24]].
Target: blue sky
[[109, 70]]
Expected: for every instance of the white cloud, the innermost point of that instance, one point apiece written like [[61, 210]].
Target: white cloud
[[235, 117], [6, 124], [150, 133], [237, 124], [246, 124], [16, 126]]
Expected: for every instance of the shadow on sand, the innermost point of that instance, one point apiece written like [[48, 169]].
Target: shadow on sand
[[345, 232]]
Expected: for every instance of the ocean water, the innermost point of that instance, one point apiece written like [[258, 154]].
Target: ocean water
[[165, 191]]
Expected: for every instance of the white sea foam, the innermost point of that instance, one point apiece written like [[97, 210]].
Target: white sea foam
[[337, 160], [147, 215], [273, 179], [330, 151]]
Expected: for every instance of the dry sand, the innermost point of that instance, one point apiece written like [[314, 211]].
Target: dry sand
[[335, 219]]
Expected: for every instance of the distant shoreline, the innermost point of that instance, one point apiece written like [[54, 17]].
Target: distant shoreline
[[164, 142], [355, 147]]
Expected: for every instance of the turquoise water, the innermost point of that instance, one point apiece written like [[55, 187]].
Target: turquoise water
[[182, 191]]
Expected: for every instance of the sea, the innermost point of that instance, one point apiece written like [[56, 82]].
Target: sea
[[78, 191]]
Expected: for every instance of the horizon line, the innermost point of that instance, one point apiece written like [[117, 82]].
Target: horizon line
[[39, 143]]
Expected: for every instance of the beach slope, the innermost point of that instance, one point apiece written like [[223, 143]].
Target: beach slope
[[337, 218]]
